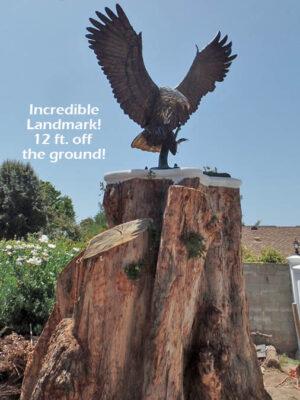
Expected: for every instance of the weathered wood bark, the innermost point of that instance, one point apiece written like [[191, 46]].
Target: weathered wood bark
[[178, 332], [136, 198]]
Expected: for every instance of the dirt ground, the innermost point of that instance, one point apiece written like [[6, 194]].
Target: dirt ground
[[287, 390]]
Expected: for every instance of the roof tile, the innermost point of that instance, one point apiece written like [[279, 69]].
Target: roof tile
[[280, 238]]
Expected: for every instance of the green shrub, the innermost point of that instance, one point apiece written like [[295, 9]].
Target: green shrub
[[90, 227], [266, 256], [271, 256], [21, 202], [248, 256], [28, 275], [59, 212]]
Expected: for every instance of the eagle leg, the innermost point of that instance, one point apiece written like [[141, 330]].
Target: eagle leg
[[163, 157]]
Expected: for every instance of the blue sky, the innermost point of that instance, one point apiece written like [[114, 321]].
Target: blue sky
[[249, 126]]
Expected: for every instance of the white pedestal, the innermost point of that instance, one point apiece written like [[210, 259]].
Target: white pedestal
[[294, 263], [176, 174]]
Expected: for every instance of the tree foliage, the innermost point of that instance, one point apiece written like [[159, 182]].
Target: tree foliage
[[32, 206], [29, 205], [59, 212], [21, 200], [92, 226]]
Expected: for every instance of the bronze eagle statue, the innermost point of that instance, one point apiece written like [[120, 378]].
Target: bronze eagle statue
[[159, 111]]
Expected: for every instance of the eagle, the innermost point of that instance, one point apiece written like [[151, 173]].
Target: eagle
[[159, 111]]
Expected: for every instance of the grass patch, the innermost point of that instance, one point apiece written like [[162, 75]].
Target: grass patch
[[284, 359]]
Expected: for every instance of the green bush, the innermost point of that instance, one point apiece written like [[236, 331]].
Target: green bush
[[90, 227], [248, 256], [266, 256], [21, 203], [271, 256], [59, 212], [28, 275]]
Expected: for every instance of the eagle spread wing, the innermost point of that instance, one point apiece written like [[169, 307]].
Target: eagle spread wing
[[209, 66], [119, 52]]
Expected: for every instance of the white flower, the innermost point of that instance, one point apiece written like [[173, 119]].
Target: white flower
[[76, 249], [34, 252], [9, 253], [44, 239], [52, 246], [20, 258], [38, 247], [45, 258], [34, 261], [8, 247], [30, 246]]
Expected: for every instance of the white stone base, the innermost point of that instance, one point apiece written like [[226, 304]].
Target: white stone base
[[176, 174]]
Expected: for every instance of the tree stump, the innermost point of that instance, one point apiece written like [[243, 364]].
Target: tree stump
[[163, 316]]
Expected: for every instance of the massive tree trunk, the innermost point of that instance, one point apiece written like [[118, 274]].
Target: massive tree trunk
[[161, 316]]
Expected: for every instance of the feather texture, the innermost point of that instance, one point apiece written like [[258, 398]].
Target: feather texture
[[119, 51], [209, 66]]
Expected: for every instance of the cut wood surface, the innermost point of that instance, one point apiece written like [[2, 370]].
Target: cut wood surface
[[116, 236]]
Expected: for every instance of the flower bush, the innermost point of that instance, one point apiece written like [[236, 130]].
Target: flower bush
[[28, 275]]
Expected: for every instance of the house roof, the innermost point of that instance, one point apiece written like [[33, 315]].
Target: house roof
[[280, 238]]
